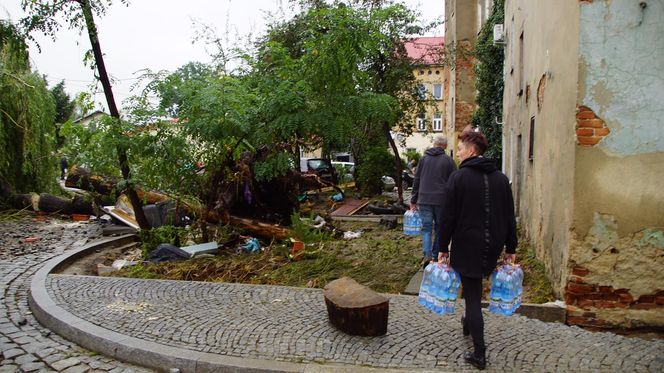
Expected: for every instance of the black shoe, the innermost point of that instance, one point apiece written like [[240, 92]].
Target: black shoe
[[475, 360], [466, 332]]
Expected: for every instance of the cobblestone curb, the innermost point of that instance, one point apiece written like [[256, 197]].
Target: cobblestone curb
[[138, 351]]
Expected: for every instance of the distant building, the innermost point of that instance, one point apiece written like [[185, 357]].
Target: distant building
[[583, 143], [87, 119], [427, 54]]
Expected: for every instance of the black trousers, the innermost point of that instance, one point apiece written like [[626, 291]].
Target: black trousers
[[472, 293]]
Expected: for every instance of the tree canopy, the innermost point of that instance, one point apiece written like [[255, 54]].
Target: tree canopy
[[27, 130]]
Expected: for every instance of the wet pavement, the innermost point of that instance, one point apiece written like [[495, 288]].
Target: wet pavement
[[26, 346], [199, 326]]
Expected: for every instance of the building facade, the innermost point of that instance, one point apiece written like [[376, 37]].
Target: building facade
[[427, 54], [583, 143]]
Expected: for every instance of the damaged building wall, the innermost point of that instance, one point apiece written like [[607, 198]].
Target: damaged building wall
[[460, 34], [616, 255], [541, 75]]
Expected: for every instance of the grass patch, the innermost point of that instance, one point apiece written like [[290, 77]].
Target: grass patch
[[536, 286], [381, 259]]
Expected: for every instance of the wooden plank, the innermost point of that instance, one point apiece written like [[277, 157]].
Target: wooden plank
[[351, 206]]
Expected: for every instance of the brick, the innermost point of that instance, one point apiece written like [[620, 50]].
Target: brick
[[580, 271], [611, 297], [577, 280], [621, 291], [659, 299], [588, 140], [591, 296], [602, 131], [585, 132], [575, 320], [580, 288], [570, 298], [585, 303], [585, 113], [605, 304], [590, 123], [647, 299], [606, 289]]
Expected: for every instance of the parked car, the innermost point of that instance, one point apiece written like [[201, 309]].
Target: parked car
[[320, 166]]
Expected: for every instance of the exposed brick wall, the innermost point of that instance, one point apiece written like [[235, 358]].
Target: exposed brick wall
[[464, 115], [583, 299], [590, 129]]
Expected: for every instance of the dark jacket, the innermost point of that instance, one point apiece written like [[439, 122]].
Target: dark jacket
[[433, 170], [478, 216]]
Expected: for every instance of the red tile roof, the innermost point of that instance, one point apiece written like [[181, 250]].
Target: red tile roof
[[426, 50]]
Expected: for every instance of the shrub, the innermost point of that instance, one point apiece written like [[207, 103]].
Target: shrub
[[378, 161]]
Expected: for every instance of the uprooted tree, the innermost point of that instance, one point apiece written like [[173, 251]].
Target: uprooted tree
[[80, 13], [333, 75]]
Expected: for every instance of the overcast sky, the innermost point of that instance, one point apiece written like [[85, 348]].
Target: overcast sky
[[158, 34]]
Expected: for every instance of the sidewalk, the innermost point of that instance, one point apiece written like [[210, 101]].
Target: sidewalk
[[197, 326]]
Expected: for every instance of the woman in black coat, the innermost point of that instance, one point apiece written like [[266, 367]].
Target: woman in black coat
[[478, 217]]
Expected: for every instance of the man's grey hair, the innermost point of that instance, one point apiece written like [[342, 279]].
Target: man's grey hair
[[440, 141]]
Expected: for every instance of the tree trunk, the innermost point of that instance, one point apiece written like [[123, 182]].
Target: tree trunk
[[397, 160], [355, 309], [110, 100]]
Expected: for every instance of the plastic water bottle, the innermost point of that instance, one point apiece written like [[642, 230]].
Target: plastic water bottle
[[442, 283], [453, 291], [518, 286], [412, 223], [426, 285]]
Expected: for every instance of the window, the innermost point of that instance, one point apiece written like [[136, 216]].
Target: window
[[421, 91], [437, 122], [421, 123], [531, 145], [520, 87], [437, 91]]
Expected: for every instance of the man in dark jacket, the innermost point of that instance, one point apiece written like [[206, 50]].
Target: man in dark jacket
[[433, 170], [478, 217]]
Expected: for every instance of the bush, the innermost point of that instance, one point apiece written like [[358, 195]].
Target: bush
[[378, 161], [412, 154]]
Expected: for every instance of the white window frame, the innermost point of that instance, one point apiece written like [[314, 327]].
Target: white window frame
[[438, 96], [421, 123], [437, 122]]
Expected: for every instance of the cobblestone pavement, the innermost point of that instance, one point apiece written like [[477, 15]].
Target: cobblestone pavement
[[290, 324], [25, 346], [287, 324]]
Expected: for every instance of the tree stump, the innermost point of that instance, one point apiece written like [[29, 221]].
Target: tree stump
[[355, 309]]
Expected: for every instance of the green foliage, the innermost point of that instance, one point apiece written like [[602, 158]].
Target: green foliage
[[150, 239], [64, 106], [378, 161], [27, 131], [302, 229], [489, 84], [413, 154]]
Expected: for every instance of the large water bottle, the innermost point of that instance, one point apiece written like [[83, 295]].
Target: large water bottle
[[508, 295], [453, 291], [441, 286], [426, 285], [518, 286], [499, 292], [412, 223]]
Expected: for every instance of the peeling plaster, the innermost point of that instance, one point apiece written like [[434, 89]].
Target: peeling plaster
[[621, 75], [633, 262]]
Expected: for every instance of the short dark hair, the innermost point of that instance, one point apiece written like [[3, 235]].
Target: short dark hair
[[475, 138]]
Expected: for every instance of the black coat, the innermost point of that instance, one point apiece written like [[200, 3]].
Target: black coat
[[433, 170], [478, 217]]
